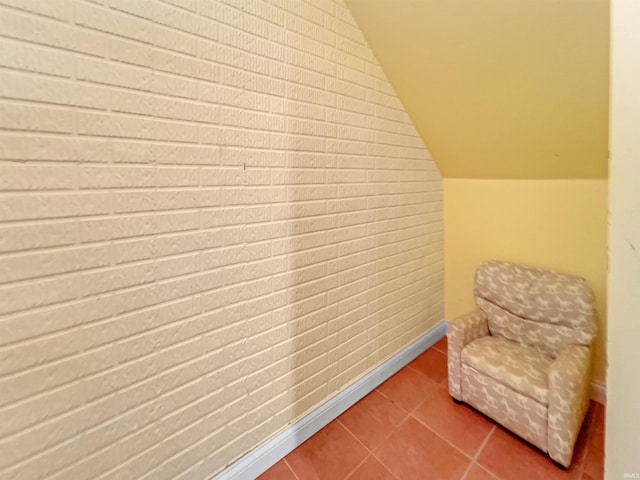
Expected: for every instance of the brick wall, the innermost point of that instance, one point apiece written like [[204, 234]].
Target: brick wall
[[213, 216]]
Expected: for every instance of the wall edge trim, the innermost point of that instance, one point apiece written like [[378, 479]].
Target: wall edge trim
[[270, 452], [598, 392]]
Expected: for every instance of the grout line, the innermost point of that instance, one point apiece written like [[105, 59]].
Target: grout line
[[486, 440], [290, 468], [475, 457], [382, 463], [371, 452], [466, 472], [387, 468], [473, 460], [450, 443], [358, 465], [424, 375], [350, 432], [589, 425]]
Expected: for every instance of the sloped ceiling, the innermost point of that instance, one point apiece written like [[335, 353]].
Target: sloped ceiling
[[499, 88]]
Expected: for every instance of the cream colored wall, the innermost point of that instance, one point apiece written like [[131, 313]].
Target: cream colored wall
[[214, 215], [623, 374], [556, 224]]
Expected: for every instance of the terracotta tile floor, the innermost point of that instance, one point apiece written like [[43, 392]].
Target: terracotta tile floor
[[409, 428]]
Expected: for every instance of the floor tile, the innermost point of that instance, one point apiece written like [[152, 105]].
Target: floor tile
[[280, 471], [598, 417], [581, 446], [372, 419], [432, 364], [594, 459], [415, 452], [478, 473], [417, 432], [371, 469], [331, 454], [441, 345], [586, 476], [591, 411], [459, 424], [594, 418], [509, 458], [407, 388]]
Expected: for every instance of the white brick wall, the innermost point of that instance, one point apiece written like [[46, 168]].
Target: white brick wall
[[214, 214]]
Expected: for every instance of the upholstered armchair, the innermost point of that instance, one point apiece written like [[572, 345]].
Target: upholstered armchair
[[523, 357]]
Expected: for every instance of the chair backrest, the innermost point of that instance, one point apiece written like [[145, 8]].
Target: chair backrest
[[535, 307]]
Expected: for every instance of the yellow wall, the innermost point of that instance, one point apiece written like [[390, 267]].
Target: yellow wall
[[499, 88], [623, 375], [503, 93], [555, 224]]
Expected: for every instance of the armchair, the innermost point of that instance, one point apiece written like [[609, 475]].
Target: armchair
[[523, 356]]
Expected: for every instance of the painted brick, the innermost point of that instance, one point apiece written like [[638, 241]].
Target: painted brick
[[302, 143], [265, 11], [171, 17], [244, 40], [42, 31], [234, 97], [214, 214], [357, 49], [186, 4], [311, 95], [310, 160], [310, 62], [33, 265], [299, 242], [255, 25], [297, 109], [311, 127], [344, 29], [44, 90], [59, 9], [297, 75], [304, 10], [36, 119], [346, 59], [15, 238], [134, 127], [55, 205], [154, 106], [253, 120], [309, 29], [34, 58], [183, 65], [121, 75]]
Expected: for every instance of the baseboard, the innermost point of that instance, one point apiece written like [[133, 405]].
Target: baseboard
[[262, 458], [599, 392]]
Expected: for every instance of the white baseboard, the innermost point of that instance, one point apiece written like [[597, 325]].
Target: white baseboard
[[262, 458], [599, 392]]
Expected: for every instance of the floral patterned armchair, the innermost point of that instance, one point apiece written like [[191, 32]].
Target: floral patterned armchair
[[523, 357]]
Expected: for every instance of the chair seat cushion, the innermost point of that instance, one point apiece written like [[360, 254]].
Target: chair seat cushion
[[521, 368]]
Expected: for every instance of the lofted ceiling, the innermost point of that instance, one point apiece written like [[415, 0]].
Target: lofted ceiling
[[499, 88]]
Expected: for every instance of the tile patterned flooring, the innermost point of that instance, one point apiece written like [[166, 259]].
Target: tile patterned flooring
[[409, 428]]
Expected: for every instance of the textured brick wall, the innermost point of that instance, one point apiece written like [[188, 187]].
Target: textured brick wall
[[213, 216]]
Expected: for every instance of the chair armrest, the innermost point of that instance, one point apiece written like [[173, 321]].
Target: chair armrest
[[569, 377], [462, 331]]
